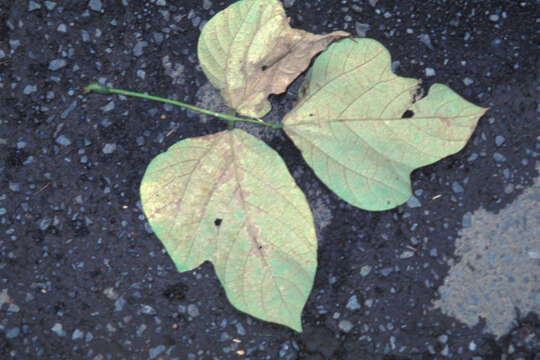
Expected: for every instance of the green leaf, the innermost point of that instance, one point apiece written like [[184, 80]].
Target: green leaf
[[229, 198], [248, 51], [362, 129]]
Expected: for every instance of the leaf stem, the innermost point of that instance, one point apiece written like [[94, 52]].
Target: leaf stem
[[100, 89]]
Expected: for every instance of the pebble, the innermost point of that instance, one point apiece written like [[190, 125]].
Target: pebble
[[32, 5], [119, 304], [63, 140], [426, 40], [58, 330], [207, 4], [14, 186], [110, 293], [468, 81], [456, 187], [395, 65], [443, 338], [109, 148], [345, 325], [445, 351], [109, 107], [95, 5], [509, 188], [138, 49], [29, 89], [240, 329], [365, 270], [2, 54], [288, 3], [192, 310], [386, 271], [71, 107], [361, 29], [12, 333], [467, 219], [413, 202], [57, 64], [88, 337], [499, 140], [14, 44], [45, 223], [154, 352], [50, 5], [499, 157], [406, 254], [353, 304], [472, 157], [77, 334], [493, 17], [148, 310], [85, 36], [429, 72], [158, 37], [472, 346]]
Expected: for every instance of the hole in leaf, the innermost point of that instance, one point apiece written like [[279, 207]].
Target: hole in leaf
[[407, 114], [217, 222], [264, 67]]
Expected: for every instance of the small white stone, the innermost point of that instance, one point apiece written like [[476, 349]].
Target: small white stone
[[406, 254], [345, 326], [58, 329], [430, 72], [353, 304], [109, 148], [193, 310]]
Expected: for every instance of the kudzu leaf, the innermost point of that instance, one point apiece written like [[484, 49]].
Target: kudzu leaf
[[362, 130], [248, 51], [228, 198]]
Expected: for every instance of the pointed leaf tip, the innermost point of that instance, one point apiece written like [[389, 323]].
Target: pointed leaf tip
[[228, 198], [248, 51], [362, 129]]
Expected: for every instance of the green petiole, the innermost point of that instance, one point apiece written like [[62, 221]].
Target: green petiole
[[100, 89]]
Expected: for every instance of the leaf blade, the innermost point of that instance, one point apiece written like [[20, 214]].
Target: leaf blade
[[263, 247], [248, 51], [349, 124]]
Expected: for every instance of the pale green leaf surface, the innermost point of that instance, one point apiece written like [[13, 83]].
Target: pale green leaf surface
[[248, 51], [228, 198], [348, 124]]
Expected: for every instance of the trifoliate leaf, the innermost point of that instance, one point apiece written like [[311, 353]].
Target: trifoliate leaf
[[248, 51], [362, 130], [229, 198]]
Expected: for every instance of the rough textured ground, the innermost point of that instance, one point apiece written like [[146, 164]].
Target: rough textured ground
[[81, 275]]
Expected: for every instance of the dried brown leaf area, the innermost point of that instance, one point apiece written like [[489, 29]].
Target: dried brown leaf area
[[249, 51]]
